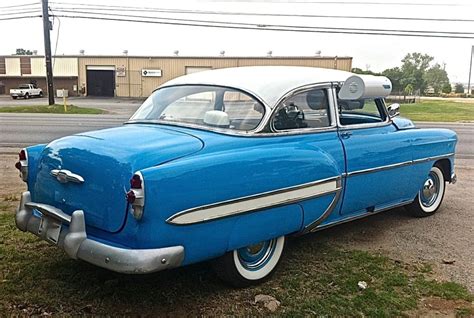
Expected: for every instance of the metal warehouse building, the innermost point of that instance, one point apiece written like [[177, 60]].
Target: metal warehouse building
[[132, 76]]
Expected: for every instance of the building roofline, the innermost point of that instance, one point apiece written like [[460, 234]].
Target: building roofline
[[188, 57]]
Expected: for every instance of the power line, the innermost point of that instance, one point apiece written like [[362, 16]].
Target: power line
[[355, 3], [264, 29], [265, 26], [18, 18], [207, 12], [17, 13], [19, 5]]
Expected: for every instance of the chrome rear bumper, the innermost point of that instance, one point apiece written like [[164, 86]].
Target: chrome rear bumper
[[73, 240]]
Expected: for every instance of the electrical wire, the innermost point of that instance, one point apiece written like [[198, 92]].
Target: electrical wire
[[18, 18], [57, 35], [265, 26], [20, 5], [17, 13], [207, 12], [264, 29]]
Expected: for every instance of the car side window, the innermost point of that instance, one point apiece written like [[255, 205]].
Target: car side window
[[309, 109], [360, 111]]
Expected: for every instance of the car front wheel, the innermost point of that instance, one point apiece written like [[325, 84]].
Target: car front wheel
[[431, 194], [252, 264]]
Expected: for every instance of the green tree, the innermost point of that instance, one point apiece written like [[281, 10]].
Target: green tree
[[395, 75], [446, 88], [361, 71], [459, 88], [436, 77], [414, 66], [23, 52]]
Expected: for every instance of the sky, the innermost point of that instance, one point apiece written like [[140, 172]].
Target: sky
[[373, 52]]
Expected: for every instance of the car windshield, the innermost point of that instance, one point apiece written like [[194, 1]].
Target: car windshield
[[24, 86], [207, 106]]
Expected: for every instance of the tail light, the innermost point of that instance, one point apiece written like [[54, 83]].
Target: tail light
[[136, 195], [22, 164]]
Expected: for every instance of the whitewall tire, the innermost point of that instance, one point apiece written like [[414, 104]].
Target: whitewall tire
[[252, 264], [431, 194]]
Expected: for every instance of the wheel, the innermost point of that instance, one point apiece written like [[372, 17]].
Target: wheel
[[14, 97], [430, 196], [27, 96], [40, 94], [250, 265]]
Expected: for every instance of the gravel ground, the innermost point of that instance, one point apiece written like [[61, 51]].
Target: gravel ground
[[448, 235]]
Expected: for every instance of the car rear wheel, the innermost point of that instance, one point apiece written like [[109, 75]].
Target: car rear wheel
[[40, 94], [14, 97], [252, 264], [431, 194], [27, 96]]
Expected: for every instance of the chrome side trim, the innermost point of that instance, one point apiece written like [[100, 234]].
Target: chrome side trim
[[256, 202], [313, 225], [360, 216], [396, 165], [65, 176], [433, 158], [380, 168]]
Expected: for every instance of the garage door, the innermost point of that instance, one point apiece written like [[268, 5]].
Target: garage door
[[100, 81]]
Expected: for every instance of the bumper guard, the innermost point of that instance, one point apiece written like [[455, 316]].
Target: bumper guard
[[74, 241]]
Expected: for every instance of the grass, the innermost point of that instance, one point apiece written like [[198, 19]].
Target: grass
[[53, 109], [438, 111], [314, 279]]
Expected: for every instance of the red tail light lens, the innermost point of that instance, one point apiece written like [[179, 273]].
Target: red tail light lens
[[136, 182], [22, 154]]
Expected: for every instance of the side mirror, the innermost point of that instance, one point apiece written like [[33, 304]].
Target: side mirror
[[393, 110]]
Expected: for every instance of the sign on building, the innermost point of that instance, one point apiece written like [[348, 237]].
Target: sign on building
[[120, 71], [151, 73]]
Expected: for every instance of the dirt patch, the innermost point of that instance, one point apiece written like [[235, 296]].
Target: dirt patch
[[438, 307]]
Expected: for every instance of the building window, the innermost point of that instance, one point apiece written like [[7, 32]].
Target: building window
[[3, 69], [25, 65]]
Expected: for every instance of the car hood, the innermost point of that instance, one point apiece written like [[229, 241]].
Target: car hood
[[106, 160]]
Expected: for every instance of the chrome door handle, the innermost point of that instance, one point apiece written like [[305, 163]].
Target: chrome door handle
[[346, 134]]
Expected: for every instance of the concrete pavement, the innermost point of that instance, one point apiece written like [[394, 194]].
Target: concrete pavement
[[20, 130]]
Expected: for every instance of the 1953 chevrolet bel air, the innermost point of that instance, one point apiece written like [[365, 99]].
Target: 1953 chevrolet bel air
[[227, 163]]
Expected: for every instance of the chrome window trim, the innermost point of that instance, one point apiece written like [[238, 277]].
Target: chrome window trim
[[396, 165], [261, 124], [336, 179], [298, 131], [386, 122]]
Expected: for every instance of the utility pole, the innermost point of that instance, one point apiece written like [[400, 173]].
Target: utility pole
[[47, 52], [469, 90]]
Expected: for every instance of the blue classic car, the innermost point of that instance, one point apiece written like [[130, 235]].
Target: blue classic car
[[225, 164]]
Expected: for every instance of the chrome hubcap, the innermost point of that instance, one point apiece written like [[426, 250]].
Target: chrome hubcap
[[430, 191], [254, 257]]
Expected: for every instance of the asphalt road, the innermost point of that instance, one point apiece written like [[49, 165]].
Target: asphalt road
[[20, 130]]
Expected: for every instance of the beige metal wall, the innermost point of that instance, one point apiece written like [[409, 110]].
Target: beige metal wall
[[62, 66], [133, 84]]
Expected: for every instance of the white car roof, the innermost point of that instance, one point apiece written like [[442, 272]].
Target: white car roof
[[269, 83]]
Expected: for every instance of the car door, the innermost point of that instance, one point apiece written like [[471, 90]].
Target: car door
[[378, 157], [306, 118]]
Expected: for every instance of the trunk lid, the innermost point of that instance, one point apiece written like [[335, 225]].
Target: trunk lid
[[106, 160]]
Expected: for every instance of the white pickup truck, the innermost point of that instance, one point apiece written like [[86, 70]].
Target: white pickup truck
[[26, 91]]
